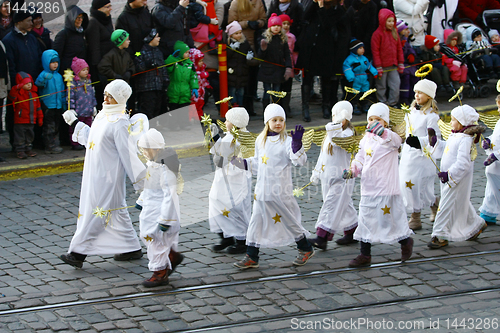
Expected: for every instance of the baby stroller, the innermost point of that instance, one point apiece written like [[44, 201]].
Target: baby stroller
[[491, 19], [477, 73]]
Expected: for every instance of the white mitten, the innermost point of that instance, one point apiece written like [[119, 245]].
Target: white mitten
[[314, 179], [250, 55], [70, 117]]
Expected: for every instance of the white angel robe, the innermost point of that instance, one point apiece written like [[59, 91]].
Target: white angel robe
[[491, 201], [160, 204], [456, 219], [337, 213], [382, 215], [276, 217], [416, 171], [230, 201], [111, 155]]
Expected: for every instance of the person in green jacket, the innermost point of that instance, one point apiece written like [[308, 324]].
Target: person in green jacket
[[183, 81]]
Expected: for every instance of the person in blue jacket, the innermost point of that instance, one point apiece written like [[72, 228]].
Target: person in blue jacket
[[356, 68], [52, 94]]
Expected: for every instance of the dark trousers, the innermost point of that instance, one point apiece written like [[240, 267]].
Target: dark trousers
[[266, 99], [366, 248], [302, 244], [251, 89], [9, 123], [23, 137], [150, 103], [51, 120]]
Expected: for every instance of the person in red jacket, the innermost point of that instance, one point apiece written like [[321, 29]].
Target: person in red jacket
[[458, 70], [473, 9], [387, 57], [27, 112]]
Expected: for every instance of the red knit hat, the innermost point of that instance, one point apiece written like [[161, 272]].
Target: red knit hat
[[431, 41], [274, 20], [285, 18]]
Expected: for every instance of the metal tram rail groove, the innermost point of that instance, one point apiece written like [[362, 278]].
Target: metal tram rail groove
[[246, 282]]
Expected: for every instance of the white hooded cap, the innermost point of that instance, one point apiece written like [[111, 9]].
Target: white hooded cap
[[273, 110], [120, 90], [427, 87], [379, 110], [152, 139], [342, 110], [238, 116], [465, 114]]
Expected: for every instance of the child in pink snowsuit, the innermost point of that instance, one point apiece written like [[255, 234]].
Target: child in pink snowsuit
[[458, 70], [196, 57]]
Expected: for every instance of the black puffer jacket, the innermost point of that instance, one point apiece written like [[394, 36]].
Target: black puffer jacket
[[69, 42], [138, 22], [237, 65], [196, 14], [364, 22], [277, 53], [98, 35], [295, 11], [170, 21], [153, 78]]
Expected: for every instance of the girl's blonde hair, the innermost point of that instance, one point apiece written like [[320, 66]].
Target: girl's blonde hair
[[262, 138], [269, 35], [429, 105], [344, 127], [244, 6]]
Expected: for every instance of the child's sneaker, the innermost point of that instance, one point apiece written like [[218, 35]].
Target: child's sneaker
[[159, 278], [360, 261], [31, 153], [437, 243], [247, 262], [303, 257], [478, 233]]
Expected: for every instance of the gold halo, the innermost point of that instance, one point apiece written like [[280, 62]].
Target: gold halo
[[424, 70]]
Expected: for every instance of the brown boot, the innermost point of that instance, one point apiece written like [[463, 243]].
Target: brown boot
[[175, 259], [434, 210], [407, 250], [415, 222], [159, 278], [360, 261]]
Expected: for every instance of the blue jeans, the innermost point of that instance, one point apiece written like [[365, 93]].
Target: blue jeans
[[237, 94], [491, 61]]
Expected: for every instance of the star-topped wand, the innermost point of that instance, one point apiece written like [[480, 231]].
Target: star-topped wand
[[68, 78]]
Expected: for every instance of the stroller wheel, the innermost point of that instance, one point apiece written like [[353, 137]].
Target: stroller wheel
[[484, 91], [471, 92]]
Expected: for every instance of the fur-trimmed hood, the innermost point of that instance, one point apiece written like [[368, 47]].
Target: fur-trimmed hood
[[449, 34]]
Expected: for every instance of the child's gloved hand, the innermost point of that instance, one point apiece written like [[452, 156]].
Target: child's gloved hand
[[288, 73], [431, 133], [39, 122], [235, 45], [492, 158], [443, 176], [195, 92], [163, 227], [298, 133], [238, 162], [347, 174], [413, 142], [214, 21], [254, 25], [411, 58], [456, 63], [380, 71], [139, 207], [70, 117], [375, 128], [263, 44], [250, 55], [48, 76], [401, 68], [486, 144], [314, 179]]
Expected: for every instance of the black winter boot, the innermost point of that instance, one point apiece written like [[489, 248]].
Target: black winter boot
[[239, 248], [305, 92], [225, 242]]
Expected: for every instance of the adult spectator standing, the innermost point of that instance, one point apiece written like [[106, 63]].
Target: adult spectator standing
[[251, 15], [473, 9], [412, 13], [98, 36], [41, 33], [23, 55], [70, 41], [170, 20], [442, 14], [323, 45], [6, 18], [364, 22], [137, 21], [293, 9]]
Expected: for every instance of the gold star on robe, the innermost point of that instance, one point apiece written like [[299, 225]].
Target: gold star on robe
[[148, 238], [148, 175], [264, 159], [322, 167], [447, 149], [409, 184], [138, 54], [387, 210], [369, 151], [226, 212], [91, 145], [79, 215], [277, 218], [255, 196]]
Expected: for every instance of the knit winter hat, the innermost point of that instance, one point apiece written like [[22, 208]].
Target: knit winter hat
[[492, 33], [285, 18], [430, 41], [152, 34], [152, 139], [23, 13], [427, 87], [355, 44], [238, 117], [182, 47], [475, 33], [119, 36], [465, 114], [77, 65], [379, 110], [342, 110], [401, 25], [233, 27], [120, 90], [273, 110], [96, 4], [274, 20]]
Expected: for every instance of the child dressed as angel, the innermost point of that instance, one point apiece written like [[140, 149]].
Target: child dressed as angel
[[276, 217], [456, 219], [230, 202], [160, 211], [491, 202], [337, 213], [416, 171], [382, 216]]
